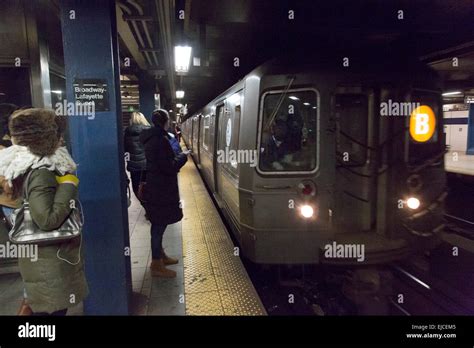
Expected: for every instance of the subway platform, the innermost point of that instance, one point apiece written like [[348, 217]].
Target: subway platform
[[459, 163], [210, 280]]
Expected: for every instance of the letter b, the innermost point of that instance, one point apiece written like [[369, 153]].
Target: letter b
[[421, 124]]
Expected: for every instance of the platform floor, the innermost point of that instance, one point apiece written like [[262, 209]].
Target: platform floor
[[458, 162], [216, 282], [210, 280]]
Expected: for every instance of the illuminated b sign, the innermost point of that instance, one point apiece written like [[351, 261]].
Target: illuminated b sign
[[422, 123]]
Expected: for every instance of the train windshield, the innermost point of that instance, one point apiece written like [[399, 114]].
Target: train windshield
[[288, 140]]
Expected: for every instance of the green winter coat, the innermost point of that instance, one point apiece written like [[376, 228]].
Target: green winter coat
[[52, 284]]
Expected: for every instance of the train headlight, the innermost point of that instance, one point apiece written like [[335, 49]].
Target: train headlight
[[307, 211], [413, 203]]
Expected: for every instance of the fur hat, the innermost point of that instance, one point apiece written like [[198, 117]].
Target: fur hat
[[35, 128]]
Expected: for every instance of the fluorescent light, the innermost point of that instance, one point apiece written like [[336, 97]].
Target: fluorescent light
[[179, 105], [314, 107], [56, 91], [179, 94], [196, 61], [293, 97], [182, 57], [451, 93], [308, 104]]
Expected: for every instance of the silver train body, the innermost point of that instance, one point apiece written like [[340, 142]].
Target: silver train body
[[344, 179]]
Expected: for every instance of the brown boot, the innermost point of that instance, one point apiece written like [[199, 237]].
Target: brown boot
[[168, 260], [158, 269], [24, 309]]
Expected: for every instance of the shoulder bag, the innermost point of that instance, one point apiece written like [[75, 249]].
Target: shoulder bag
[[26, 231]]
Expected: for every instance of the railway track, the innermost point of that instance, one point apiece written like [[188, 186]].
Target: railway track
[[428, 294]]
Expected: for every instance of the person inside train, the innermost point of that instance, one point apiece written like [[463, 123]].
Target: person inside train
[[6, 110], [277, 148], [136, 164], [161, 193], [36, 154], [294, 123]]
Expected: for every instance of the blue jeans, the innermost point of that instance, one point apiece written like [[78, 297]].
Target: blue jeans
[[157, 231], [7, 211]]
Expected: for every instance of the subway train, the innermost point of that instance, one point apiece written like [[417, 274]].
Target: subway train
[[326, 159]]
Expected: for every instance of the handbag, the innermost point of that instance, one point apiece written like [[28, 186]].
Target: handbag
[[141, 188], [26, 231]]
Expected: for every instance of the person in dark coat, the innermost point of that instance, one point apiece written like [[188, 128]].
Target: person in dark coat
[[161, 194], [136, 163]]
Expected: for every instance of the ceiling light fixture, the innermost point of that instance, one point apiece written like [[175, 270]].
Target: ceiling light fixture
[[182, 58]]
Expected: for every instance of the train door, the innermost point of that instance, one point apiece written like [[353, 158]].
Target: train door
[[228, 155], [190, 134], [196, 137], [353, 109], [219, 146]]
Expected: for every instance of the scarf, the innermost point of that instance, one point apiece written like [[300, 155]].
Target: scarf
[[16, 160]]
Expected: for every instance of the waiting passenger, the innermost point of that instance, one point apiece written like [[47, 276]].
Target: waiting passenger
[[276, 149], [161, 192], [178, 133], [49, 281], [136, 164]]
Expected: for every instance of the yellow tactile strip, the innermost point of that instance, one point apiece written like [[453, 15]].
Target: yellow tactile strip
[[215, 281]]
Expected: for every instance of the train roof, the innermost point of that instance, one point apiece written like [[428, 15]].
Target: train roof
[[401, 63]]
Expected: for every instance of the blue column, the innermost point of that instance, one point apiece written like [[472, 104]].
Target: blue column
[[91, 52], [146, 91], [470, 131]]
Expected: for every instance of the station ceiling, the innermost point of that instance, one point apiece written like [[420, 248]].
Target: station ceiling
[[257, 30]]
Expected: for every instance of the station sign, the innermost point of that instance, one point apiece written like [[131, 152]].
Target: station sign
[[422, 123], [92, 90]]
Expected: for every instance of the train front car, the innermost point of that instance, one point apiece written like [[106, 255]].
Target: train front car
[[322, 162], [350, 167]]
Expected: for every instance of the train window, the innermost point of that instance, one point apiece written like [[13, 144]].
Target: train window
[[206, 133], [289, 131], [351, 116]]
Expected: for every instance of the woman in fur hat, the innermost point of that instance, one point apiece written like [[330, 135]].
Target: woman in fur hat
[[56, 280]]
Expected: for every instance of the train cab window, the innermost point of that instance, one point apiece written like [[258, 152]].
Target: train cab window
[[351, 111], [289, 131]]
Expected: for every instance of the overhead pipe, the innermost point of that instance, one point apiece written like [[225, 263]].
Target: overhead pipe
[[165, 13], [137, 32], [145, 28]]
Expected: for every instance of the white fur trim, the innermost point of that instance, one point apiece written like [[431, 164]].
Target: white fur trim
[[16, 160]]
